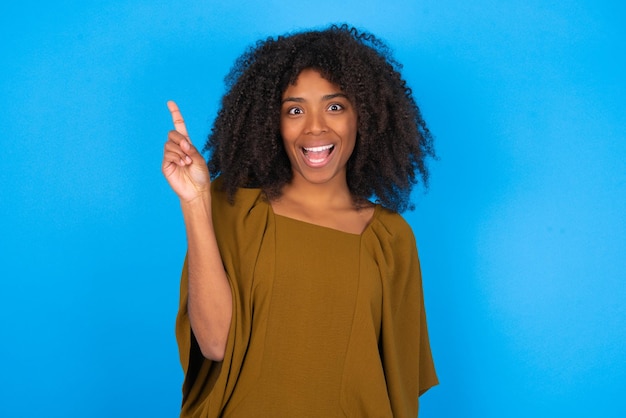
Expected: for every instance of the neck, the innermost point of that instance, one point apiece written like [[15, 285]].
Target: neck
[[328, 195]]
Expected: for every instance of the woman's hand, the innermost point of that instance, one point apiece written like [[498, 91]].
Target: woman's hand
[[209, 300], [183, 166]]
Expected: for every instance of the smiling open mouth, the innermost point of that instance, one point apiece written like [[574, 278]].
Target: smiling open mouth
[[317, 155]]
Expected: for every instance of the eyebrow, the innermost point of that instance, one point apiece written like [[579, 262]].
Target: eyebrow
[[324, 98]]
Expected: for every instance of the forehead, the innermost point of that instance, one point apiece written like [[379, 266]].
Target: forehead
[[311, 80]]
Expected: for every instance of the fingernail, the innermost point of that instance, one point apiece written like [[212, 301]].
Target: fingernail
[[188, 159]]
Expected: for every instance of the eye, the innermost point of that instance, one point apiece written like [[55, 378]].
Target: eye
[[335, 107], [294, 111]]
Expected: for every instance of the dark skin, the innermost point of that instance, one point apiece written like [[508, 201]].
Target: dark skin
[[318, 124], [393, 142], [210, 299], [315, 114], [321, 122]]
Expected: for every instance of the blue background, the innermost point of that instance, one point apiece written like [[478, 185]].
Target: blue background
[[521, 236]]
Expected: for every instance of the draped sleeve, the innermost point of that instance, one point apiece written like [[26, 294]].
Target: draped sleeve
[[239, 229], [403, 342]]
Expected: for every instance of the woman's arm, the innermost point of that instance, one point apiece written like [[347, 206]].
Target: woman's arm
[[210, 299]]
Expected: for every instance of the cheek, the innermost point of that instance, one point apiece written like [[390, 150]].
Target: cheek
[[351, 132], [287, 141], [287, 132]]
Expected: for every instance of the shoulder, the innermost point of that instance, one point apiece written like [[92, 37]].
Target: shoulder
[[239, 219], [391, 244], [396, 227], [244, 199], [390, 238]]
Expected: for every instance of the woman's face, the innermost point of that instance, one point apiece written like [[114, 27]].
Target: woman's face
[[318, 125]]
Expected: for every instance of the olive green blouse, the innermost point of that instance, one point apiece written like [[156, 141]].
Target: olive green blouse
[[325, 323]]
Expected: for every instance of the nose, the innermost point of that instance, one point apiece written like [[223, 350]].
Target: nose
[[316, 123]]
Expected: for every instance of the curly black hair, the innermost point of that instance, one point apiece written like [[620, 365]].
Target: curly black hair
[[393, 141]]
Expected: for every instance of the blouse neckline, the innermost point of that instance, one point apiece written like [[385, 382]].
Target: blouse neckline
[[377, 209]]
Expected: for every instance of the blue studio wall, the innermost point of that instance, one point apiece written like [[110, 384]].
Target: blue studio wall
[[521, 236]]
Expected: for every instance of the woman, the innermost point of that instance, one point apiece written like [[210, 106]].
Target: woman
[[300, 297]]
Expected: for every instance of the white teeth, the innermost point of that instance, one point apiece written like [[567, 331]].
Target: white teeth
[[318, 149]]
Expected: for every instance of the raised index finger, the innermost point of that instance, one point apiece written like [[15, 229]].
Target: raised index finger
[[177, 118]]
